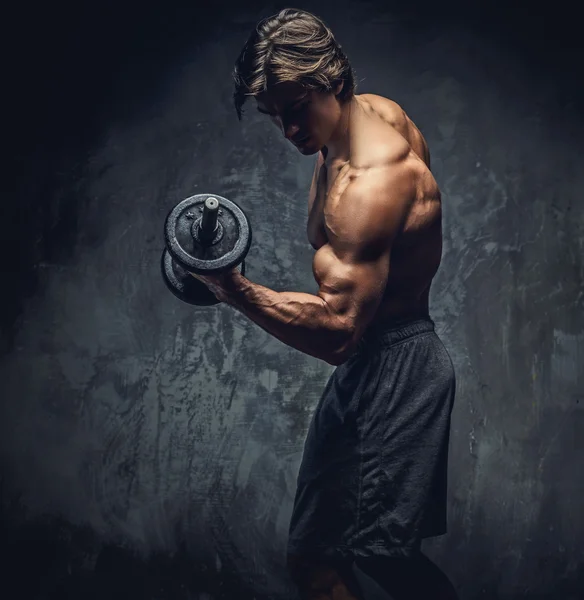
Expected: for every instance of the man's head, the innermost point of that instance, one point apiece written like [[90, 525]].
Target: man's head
[[298, 74]]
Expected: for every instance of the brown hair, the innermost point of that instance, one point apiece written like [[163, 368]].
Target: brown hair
[[293, 45]]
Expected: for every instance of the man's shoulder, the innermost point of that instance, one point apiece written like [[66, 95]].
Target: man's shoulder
[[376, 142], [376, 198], [387, 125], [379, 153], [388, 108], [387, 172]]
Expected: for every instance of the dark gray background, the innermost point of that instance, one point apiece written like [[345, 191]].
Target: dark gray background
[[149, 449]]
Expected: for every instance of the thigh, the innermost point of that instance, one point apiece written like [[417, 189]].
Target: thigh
[[318, 579]]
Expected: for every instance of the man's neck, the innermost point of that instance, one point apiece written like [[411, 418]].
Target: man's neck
[[338, 146]]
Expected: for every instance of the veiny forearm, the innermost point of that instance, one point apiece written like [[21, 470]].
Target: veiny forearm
[[302, 321]]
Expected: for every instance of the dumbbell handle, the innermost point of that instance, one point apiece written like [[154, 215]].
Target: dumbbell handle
[[210, 212], [208, 223]]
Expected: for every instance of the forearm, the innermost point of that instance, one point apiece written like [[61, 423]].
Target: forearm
[[302, 321]]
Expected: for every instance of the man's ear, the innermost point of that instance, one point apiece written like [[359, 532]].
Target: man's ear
[[339, 87]]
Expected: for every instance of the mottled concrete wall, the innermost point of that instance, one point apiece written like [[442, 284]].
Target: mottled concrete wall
[[144, 422]]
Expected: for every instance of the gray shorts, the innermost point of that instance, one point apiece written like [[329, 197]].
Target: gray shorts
[[373, 476]]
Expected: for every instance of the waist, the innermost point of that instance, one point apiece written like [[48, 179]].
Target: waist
[[393, 331]]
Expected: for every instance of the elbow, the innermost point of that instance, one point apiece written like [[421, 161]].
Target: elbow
[[344, 332]]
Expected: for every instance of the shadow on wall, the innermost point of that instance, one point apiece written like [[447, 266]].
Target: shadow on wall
[[65, 64], [46, 557]]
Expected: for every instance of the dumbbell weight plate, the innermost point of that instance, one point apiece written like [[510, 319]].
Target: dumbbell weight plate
[[186, 287], [227, 250]]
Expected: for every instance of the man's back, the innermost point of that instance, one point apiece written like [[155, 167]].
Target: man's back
[[381, 135]]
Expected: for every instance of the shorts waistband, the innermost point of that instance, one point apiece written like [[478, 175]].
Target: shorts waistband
[[392, 332]]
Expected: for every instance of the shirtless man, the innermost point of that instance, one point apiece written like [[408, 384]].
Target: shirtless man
[[372, 483]]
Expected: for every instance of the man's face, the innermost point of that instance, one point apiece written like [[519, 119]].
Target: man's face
[[306, 117]]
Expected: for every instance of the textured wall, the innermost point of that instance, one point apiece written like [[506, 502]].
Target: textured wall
[[156, 445]]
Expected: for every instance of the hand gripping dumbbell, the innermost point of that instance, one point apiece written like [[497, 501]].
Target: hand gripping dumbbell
[[204, 234]]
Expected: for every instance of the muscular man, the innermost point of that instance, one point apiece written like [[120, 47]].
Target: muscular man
[[372, 482]]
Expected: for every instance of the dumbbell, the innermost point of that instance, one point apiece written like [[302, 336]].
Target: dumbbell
[[204, 234]]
